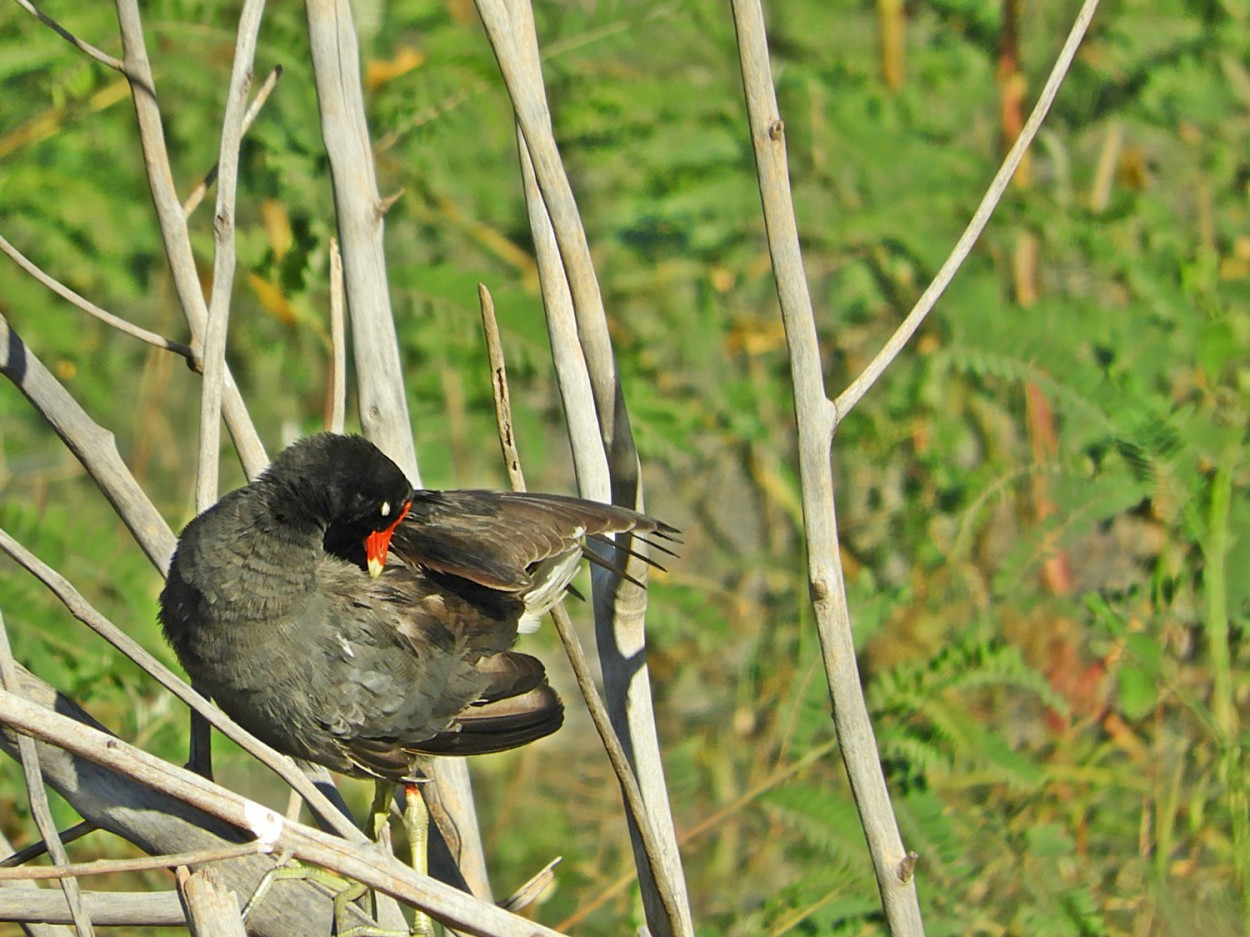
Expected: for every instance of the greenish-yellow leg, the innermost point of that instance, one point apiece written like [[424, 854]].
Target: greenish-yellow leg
[[417, 829]]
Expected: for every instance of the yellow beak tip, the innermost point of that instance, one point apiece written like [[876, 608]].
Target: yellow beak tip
[[375, 568]]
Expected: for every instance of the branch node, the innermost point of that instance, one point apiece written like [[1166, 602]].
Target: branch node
[[907, 866], [384, 204]]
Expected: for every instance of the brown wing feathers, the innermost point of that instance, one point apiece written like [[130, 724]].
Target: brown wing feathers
[[493, 538]]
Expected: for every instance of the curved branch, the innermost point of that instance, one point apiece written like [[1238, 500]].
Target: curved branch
[[173, 226], [359, 863], [814, 415], [93, 446], [38, 798], [980, 218], [87, 306], [584, 358]]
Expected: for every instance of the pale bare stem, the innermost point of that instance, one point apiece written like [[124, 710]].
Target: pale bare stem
[[379, 377], [25, 898], [814, 415], [619, 606], [81, 609], [630, 790], [87, 306], [212, 909], [35, 850], [338, 342], [980, 218], [380, 388], [38, 796], [107, 909], [201, 188], [94, 446], [360, 863], [224, 259], [581, 421], [110, 866], [139, 810], [510, 30], [173, 226], [345, 132], [499, 390], [100, 56], [528, 893]]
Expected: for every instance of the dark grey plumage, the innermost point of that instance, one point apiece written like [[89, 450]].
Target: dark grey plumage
[[270, 608]]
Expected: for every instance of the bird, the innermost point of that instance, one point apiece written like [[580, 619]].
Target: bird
[[352, 621]]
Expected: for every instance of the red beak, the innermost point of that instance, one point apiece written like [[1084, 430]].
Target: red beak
[[378, 542]]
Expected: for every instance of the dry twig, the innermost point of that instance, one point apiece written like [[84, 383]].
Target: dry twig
[[980, 218], [817, 420], [379, 378], [630, 790], [202, 187], [604, 455], [87, 306], [173, 226], [356, 862], [38, 797]]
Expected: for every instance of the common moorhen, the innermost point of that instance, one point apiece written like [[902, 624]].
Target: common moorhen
[[348, 620]]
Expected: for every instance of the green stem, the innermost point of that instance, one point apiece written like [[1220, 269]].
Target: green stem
[[1223, 702], [1215, 589]]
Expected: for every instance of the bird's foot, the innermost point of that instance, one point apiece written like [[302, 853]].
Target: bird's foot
[[419, 929], [346, 893]]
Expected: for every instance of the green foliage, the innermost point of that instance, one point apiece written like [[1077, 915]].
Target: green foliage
[[1041, 504]]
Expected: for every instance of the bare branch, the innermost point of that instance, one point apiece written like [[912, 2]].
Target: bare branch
[[630, 790], [87, 306], [37, 849], [93, 446], [81, 609], [173, 225], [147, 864], [336, 69], [212, 910], [980, 218], [356, 862], [28, 894], [337, 390], [99, 55], [108, 909], [39, 797], [499, 390], [158, 823], [201, 188], [528, 893], [224, 259], [590, 463], [814, 415], [619, 606], [379, 377], [506, 27]]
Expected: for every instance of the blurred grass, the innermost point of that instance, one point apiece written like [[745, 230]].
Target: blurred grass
[[1036, 502]]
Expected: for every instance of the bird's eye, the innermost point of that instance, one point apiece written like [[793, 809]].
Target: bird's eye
[[386, 509]]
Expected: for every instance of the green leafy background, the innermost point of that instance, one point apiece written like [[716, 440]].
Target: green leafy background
[[1041, 503]]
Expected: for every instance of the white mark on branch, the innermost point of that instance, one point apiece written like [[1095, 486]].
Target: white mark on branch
[[263, 822]]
